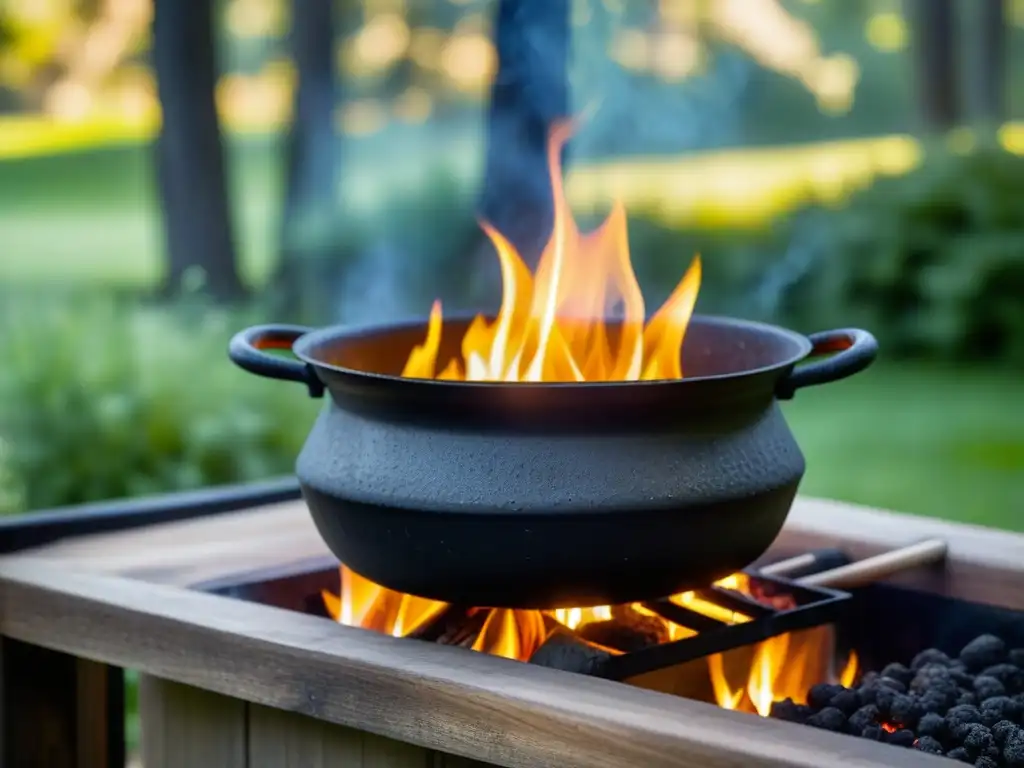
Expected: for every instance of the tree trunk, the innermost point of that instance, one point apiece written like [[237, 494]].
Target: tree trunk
[[936, 62], [313, 171], [190, 155], [530, 92], [989, 68]]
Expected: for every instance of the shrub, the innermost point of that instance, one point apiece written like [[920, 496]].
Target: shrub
[[101, 398], [932, 261]]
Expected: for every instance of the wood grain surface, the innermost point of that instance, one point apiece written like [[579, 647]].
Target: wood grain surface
[[983, 565], [444, 699]]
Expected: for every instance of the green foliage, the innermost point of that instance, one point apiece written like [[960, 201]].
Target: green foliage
[[933, 262], [102, 399]]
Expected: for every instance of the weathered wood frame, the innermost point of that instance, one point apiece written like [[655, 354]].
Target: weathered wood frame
[[286, 689]]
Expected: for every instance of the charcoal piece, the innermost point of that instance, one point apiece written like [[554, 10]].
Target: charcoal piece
[[1016, 657], [873, 732], [1003, 730], [930, 745], [961, 677], [790, 711], [821, 694], [930, 656], [967, 699], [904, 737], [899, 672], [959, 717], [628, 631], [564, 650], [983, 651], [829, 719], [978, 740], [932, 725], [999, 708], [863, 717], [867, 693], [846, 701], [868, 678], [1013, 750], [929, 676], [905, 710], [986, 762], [884, 698], [959, 754], [893, 684], [939, 699], [1010, 675], [986, 687]]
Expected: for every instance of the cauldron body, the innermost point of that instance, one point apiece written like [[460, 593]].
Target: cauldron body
[[548, 495]]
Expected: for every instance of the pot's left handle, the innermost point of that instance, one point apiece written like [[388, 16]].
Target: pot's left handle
[[851, 349], [246, 350]]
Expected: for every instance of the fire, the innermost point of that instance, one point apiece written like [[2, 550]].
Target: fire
[[748, 679], [553, 325], [782, 667], [512, 634]]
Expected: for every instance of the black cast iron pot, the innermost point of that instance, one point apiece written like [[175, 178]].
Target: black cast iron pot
[[548, 495]]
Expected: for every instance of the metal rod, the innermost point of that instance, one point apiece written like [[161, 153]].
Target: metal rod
[[789, 565], [879, 567]]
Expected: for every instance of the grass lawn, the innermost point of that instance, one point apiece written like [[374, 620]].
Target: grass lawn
[[942, 442]]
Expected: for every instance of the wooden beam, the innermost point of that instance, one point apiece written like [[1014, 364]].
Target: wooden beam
[[58, 711], [984, 565], [467, 704]]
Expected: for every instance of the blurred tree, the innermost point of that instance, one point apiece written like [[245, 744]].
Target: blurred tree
[[313, 158], [936, 48], [990, 66], [530, 92], [190, 155]]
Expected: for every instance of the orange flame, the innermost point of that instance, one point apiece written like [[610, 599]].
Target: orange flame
[[782, 667], [512, 634], [552, 326]]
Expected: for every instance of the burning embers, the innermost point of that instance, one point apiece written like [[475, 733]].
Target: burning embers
[[970, 708], [746, 642], [552, 324]]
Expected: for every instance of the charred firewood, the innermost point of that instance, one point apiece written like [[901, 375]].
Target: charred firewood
[[628, 630], [465, 629], [567, 651]]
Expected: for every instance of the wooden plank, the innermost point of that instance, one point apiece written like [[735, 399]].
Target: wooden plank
[[59, 711], [467, 704], [279, 739], [185, 727], [99, 719], [984, 565]]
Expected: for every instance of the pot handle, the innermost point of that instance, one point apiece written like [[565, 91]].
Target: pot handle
[[854, 351], [246, 351]]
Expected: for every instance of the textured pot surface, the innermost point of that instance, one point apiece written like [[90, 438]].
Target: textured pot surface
[[542, 495]]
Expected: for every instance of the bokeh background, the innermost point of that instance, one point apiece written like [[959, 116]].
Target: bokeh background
[[169, 174]]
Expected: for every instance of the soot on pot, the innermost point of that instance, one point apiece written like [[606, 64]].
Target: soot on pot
[[969, 707]]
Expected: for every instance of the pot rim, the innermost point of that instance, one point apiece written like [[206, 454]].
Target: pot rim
[[304, 347]]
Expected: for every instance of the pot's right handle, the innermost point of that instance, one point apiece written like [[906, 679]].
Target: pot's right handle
[[246, 351], [851, 349]]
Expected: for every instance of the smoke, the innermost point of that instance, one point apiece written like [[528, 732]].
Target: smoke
[[372, 289], [805, 251]]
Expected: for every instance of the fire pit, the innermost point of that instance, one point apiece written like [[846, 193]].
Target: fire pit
[[564, 453], [228, 620]]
